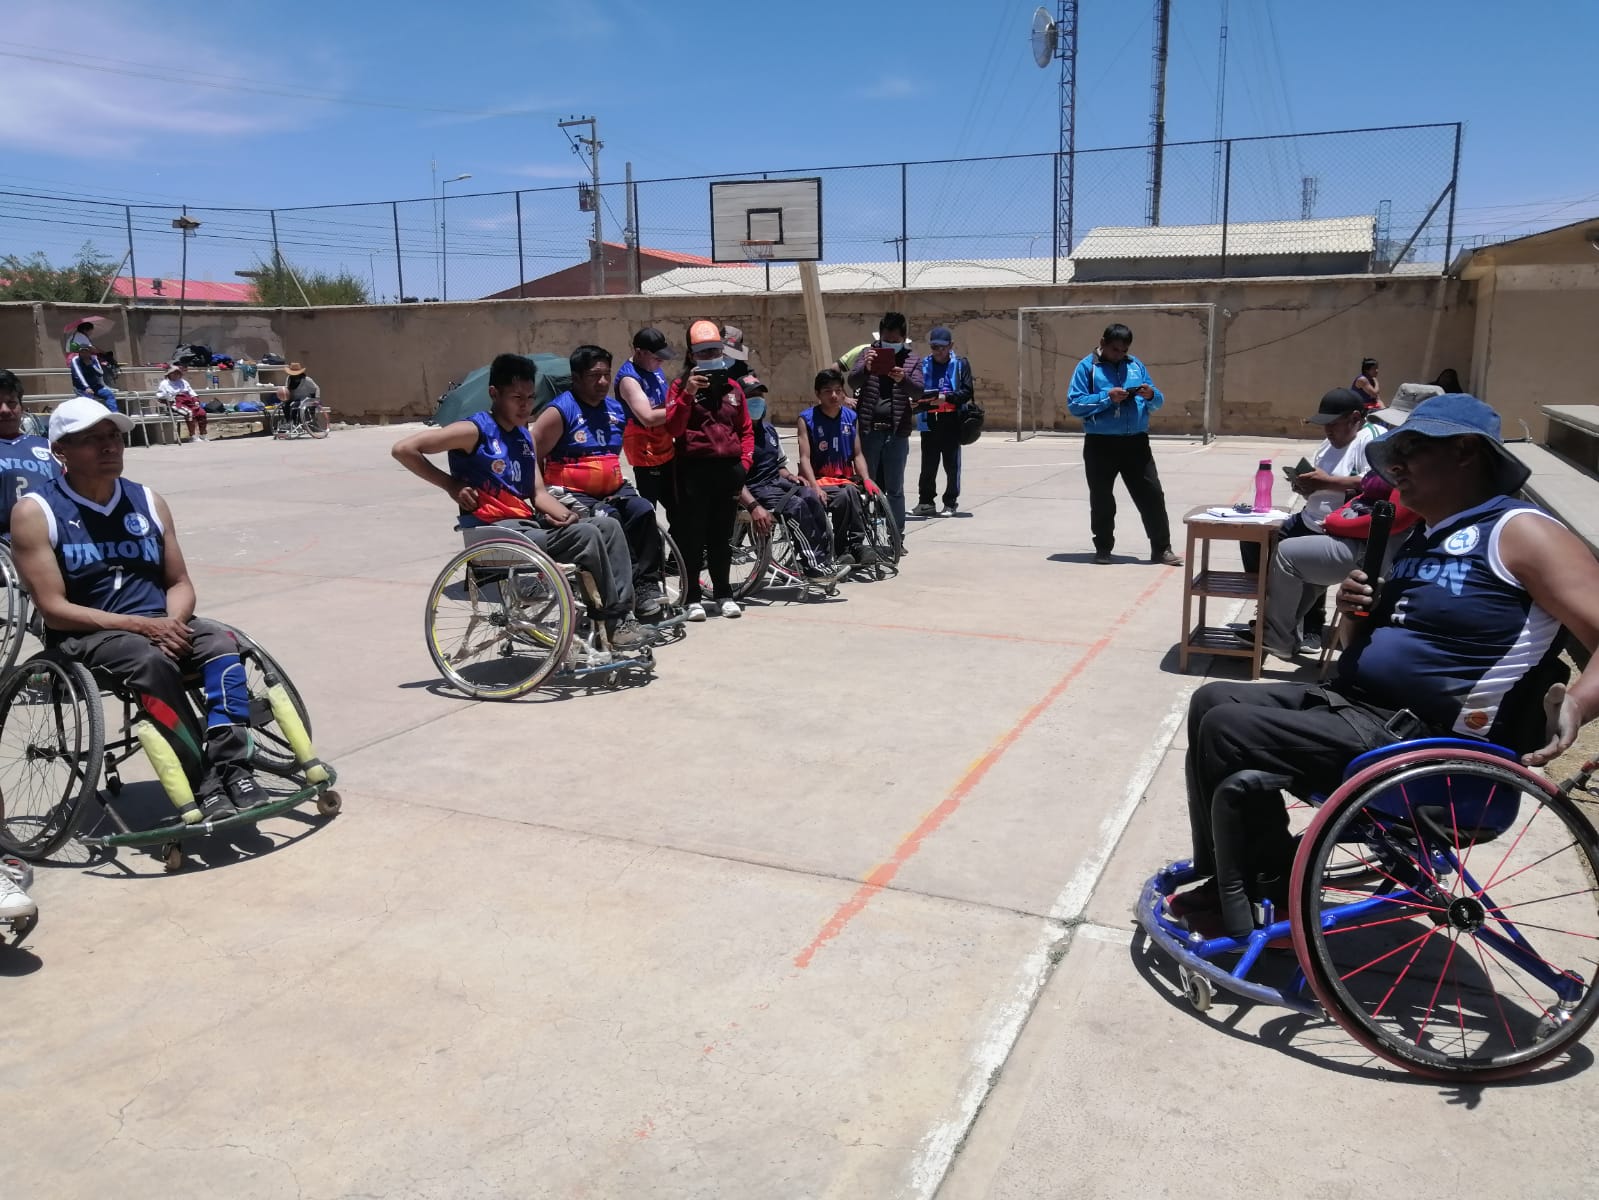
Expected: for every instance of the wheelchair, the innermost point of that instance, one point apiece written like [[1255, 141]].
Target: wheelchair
[[300, 418], [1443, 910], [56, 761], [18, 617], [776, 560], [502, 618]]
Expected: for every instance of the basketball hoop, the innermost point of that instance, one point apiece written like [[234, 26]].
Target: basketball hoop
[[756, 250]]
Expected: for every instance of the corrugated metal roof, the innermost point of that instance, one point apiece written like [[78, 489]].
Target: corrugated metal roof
[[1322, 235], [197, 291], [859, 277]]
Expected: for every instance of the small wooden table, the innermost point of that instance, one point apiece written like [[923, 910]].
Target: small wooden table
[[1203, 583]]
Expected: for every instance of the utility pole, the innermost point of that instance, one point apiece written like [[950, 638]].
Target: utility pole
[[1221, 116], [1308, 186], [593, 143], [1157, 117], [630, 236]]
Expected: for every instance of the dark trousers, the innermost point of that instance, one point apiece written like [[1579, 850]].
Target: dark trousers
[[847, 514], [157, 684], [707, 507], [594, 544], [1105, 456], [941, 444], [658, 485], [792, 499], [637, 516], [1249, 554], [1247, 744]]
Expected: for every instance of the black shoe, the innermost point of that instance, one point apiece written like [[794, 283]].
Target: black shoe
[[244, 791], [1103, 560], [216, 805]]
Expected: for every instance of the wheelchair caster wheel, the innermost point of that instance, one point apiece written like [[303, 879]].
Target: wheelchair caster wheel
[[1197, 989], [329, 804], [172, 857]]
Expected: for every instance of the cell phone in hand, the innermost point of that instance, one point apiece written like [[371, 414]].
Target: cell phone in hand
[[881, 362]]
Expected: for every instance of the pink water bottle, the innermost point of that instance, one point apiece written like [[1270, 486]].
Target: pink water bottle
[[1263, 486]]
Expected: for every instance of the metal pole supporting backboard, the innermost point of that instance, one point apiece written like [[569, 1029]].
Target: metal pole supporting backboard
[[1207, 398]]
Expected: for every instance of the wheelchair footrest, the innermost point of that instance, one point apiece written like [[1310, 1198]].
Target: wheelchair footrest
[[172, 830]]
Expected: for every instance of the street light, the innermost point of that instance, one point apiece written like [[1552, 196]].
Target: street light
[[185, 225], [444, 229]]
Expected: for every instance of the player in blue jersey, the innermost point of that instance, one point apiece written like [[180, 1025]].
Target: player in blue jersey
[[25, 459], [1461, 642], [770, 487], [832, 461], [495, 479], [100, 556], [578, 436]]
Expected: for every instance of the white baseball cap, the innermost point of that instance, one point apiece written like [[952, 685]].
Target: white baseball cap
[[80, 413]]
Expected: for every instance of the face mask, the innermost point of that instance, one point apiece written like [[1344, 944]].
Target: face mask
[[705, 366], [891, 345], [757, 407]]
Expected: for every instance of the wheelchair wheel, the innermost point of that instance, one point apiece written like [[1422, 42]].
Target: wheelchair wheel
[[676, 574], [316, 420], [16, 611], [751, 557], [52, 740], [499, 619], [1464, 948], [882, 534], [272, 749]]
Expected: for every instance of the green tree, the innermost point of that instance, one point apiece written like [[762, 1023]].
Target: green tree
[[83, 281], [275, 286]]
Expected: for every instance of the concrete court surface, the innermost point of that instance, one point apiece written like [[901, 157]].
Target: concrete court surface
[[837, 906]]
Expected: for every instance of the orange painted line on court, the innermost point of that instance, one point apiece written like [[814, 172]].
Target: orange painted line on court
[[883, 874]]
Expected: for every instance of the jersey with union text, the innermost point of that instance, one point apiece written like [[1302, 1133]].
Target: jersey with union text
[[587, 456], [25, 464], [1455, 637], [112, 556], [832, 442]]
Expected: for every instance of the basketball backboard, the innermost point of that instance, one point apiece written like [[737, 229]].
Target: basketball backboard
[[784, 212]]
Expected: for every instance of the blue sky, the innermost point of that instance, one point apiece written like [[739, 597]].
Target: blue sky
[[352, 101]]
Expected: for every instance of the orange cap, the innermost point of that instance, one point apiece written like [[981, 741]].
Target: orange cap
[[704, 333]]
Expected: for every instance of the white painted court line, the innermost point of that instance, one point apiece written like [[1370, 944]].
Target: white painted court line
[[938, 1148]]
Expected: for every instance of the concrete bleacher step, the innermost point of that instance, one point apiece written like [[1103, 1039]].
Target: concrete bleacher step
[[1574, 433], [1564, 490]]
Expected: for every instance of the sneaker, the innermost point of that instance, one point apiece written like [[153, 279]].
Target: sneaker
[[1167, 557], [869, 557], [626, 634], [828, 574], [15, 904], [1203, 898], [648, 602], [1103, 560], [694, 612], [245, 791], [924, 509], [950, 511], [729, 608], [216, 805]]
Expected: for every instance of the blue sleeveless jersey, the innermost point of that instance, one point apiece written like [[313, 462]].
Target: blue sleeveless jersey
[[768, 461], [1454, 633], [645, 447], [832, 441], [587, 456], [25, 464], [499, 460], [112, 558]]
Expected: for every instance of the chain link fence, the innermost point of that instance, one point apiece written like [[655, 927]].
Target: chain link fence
[[1349, 201]]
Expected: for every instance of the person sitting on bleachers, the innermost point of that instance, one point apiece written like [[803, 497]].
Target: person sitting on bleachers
[[771, 488], [832, 461], [178, 394], [88, 377], [494, 479], [25, 458], [578, 437]]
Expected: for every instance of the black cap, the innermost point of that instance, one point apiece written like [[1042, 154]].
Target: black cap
[[1339, 402], [650, 340]]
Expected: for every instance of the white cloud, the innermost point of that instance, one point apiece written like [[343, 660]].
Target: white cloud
[[52, 108], [892, 87]]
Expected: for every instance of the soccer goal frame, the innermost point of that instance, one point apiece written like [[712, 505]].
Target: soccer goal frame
[[1026, 429]]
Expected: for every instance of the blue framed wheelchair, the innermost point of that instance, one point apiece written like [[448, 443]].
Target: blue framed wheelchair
[[56, 762], [1443, 909]]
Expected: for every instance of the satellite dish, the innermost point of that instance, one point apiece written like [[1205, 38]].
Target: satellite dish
[[1045, 37]]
